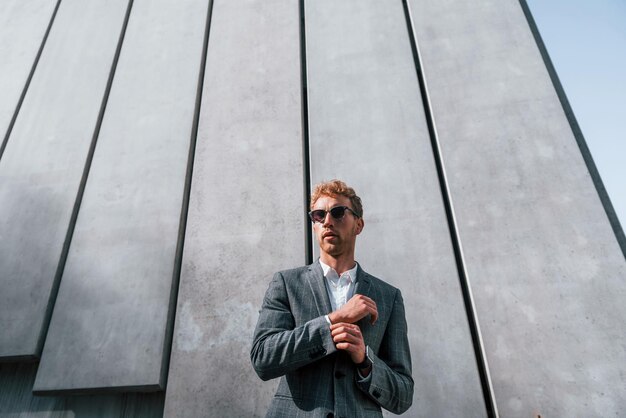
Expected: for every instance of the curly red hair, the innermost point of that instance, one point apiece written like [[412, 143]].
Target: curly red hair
[[337, 188]]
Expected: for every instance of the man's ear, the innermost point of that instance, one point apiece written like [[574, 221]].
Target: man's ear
[[360, 223]]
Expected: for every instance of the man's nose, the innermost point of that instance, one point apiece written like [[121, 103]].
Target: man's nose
[[328, 219]]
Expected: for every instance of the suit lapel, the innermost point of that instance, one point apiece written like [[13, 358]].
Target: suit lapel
[[315, 278], [365, 287], [363, 283]]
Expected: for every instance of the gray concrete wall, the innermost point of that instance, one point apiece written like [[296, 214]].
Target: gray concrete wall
[[543, 265], [43, 162], [545, 268], [117, 282], [16, 381], [367, 126], [22, 30], [246, 217]]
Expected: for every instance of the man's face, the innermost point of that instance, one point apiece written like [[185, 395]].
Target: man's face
[[336, 236]]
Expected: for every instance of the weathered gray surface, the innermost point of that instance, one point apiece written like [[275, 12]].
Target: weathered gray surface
[[547, 273], [246, 211], [22, 28], [16, 400], [108, 329], [545, 268], [367, 126], [42, 165]]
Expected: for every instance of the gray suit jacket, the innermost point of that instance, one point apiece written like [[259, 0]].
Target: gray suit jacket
[[292, 339]]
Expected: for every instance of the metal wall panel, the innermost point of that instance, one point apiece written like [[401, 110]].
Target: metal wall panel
[[367, 127], [545, 267], [43, 162], [23, 25], [109, 326], [246, 214]]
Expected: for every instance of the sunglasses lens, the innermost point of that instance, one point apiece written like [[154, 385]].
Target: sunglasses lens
[[338, 212], [318, 215]]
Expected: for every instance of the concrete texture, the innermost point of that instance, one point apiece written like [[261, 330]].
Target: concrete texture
[[22, 29], [545, 267], [16, 400], [367, 126], [246, 213], [109, 327], [43, 162]]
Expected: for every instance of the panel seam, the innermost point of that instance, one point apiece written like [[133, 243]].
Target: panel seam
[[20, 101], [81, 188], [184, 213], [306, 148], [470, 307], [578, 134]]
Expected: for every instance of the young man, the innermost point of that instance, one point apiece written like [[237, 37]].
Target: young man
[[336, 335]]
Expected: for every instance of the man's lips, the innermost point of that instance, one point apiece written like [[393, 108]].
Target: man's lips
[[328, 234]]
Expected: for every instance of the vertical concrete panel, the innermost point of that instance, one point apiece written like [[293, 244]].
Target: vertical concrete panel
[[367, 127], [109, 327], [246, 207], [16, 400], [544, 264], [22, 29], [43, 162]]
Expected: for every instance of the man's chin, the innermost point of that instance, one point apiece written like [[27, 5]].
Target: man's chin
[[332, 250]]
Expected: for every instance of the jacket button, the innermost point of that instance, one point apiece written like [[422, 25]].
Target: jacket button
[[318, 353], [376, 394], [330, 415]]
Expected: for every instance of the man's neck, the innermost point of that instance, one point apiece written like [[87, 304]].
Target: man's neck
[[339, 264]]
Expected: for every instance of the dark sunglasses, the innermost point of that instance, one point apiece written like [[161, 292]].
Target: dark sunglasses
[[337, 213]]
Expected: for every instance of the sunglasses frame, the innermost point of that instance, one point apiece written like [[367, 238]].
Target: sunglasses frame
[[326, 212]]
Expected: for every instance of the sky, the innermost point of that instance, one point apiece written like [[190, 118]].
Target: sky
[[586, 41]]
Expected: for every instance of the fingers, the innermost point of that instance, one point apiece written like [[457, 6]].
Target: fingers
[[344, 325], [374, 315], [363, 299], [348, 337], [358, 307], [365, 306], [350, 348], [344, 332]]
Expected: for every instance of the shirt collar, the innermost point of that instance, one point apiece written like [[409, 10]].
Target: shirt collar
[[352, 272]]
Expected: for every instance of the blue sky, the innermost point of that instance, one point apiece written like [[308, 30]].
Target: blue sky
[[586, 40]]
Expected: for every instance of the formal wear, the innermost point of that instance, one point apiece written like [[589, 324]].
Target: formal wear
[[340, 287], [292, 340]]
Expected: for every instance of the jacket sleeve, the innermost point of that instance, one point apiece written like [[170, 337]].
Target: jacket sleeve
[[391, 384], [279, 346]]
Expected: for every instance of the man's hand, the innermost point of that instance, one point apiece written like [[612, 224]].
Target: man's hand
[[348, 337], [357, 307]]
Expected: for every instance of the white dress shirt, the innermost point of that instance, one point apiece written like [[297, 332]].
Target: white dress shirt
[[340, 288]]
